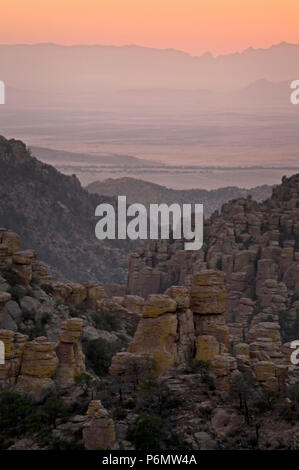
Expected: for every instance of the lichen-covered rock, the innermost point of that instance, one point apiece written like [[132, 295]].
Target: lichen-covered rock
[[180, 294], [212, 325], [69, 353], [61, 291], [270, 330], [71, 330], [157, 336], [133, 303], [185, 335], [39, 363], [39, 358], [14, 344], [98, 430], [264, 370], [207, 347], [223, 365], [208, 293], [78, 294], [11, 240], [94, 292], [156, 305], [241, 349]]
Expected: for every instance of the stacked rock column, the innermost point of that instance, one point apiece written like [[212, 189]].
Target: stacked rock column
[[208, 303]]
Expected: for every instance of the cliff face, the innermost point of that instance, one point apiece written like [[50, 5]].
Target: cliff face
[[190, 323], [55, 216], [255, 244]]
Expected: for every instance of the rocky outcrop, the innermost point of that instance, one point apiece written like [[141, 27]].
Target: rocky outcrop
[[14, 344], [69, 353], [39, 363], [256, 245], [54, 215], [98, 430], [35, 368], [166, 330], [208, 293]]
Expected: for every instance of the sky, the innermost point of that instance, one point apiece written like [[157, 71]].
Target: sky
[[195, 26]]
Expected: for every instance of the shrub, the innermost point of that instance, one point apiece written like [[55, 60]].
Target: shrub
[[83, 381], [293, 392], [99, 353], [14, 410], [146, 432], [106, 321]]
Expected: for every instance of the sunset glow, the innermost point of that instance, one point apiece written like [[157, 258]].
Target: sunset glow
[[220, 26]]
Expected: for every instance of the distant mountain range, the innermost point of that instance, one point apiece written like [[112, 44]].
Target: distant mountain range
[[60, 157], [146, 193], [85, 71]]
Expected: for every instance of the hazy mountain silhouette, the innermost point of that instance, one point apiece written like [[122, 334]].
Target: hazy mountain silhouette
[[86, 70]]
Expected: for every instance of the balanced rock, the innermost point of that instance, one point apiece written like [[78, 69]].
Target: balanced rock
[[158, 304], [14, 344], [180, 294], [157, 336], [39, 363], [98, 430], [11, 240], [69, 352]]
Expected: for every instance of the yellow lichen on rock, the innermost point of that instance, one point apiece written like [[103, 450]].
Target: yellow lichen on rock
[[99, 430], [158, 304], [207, 347], [208, 293], [157, 336]]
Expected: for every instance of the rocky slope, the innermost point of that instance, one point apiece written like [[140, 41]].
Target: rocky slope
[[147, 193], [255, 244], [184, 379], [55, 216], [58, 341]]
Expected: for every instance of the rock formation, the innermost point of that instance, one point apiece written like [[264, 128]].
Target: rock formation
[[38, 366], [69, 352], [98, 430], [166, 330]]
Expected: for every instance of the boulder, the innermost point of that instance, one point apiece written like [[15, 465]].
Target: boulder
[[156, 305], [180, 294]]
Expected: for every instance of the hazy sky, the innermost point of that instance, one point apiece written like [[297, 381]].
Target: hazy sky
[[195, 26]]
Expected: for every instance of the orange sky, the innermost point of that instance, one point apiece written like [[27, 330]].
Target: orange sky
[[195, 26]]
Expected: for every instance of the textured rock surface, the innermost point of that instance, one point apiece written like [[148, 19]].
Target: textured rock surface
[[157, 305], [208, 293], [98, 431], [69, 352], [14, 344], [207, 347], [39, 363], [157, 336]]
